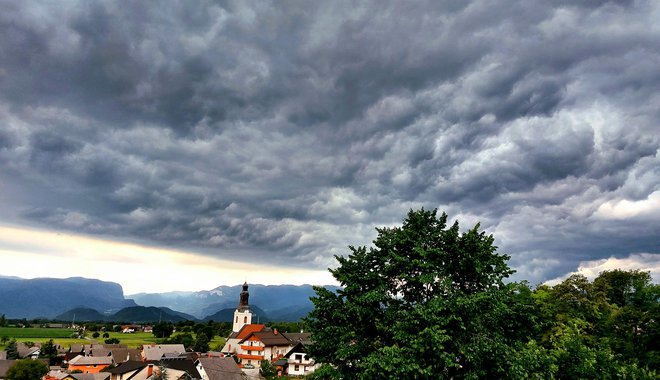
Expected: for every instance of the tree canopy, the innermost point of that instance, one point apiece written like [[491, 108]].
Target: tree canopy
[[428, 301], [12, 349], [48, 351], [163, 329], [27, 369]]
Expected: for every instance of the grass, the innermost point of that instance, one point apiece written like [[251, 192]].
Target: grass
[[63, 337], [217, 343], [40, 335], [20, 333], [134, 340]]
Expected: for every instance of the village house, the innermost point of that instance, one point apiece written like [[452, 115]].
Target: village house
[[28, 351], [179, 368], [218, 369], [298, 361], [175, 369], [158, 351], [127, 370], [89, 364], [118, 353], [59, 375], [232, 345], [263, 345]]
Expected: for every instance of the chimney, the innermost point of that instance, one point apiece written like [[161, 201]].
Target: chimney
[[150, 369], [275, 331]]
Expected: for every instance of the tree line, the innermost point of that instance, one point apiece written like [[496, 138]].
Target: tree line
[[428, 301]]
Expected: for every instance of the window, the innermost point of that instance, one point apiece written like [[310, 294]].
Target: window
[[296, 368], [237, 319], [244, 319]]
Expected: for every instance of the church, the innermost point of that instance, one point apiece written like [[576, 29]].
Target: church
[[253, 343], [242, 318], [242, 315]]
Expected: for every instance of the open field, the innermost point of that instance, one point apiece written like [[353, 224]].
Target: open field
[[40, 335], [134, 340], [217, 343], [19, 333], [63, 337], [137, 339]]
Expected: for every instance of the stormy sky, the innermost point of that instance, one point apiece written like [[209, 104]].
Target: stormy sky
[[274, 134]]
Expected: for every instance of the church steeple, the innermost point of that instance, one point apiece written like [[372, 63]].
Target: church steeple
[[242, 315], [243, 303]]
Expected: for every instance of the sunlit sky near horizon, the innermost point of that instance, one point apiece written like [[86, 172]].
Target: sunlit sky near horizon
[[186, 145], [136, 267]]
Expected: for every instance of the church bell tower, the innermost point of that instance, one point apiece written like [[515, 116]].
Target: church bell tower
[[242, 315]]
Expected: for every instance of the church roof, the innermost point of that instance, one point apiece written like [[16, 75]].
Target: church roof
[[246, 330], [270, 338]]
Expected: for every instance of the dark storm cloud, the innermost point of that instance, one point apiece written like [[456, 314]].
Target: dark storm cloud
[[288, 130]]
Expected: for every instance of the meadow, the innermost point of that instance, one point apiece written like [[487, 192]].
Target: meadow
[[28, 333], [63, 337]]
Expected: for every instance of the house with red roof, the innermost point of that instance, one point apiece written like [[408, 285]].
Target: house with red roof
[[261, 345], [232, 345], [89, 364]]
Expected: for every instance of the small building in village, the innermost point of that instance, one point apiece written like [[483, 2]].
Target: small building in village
[[89, 364]]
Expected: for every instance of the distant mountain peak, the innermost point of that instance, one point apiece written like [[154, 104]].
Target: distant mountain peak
[[49, 297], [272, 298]]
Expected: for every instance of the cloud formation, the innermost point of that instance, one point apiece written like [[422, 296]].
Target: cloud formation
[[283, 132]]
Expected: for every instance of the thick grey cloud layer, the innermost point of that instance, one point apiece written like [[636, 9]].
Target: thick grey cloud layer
[[285, 131]]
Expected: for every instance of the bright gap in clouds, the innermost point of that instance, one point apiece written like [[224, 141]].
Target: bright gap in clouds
[[647, 262], [30, 253], [622, 209]]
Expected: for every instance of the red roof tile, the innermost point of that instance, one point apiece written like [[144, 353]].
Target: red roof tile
[[249, 329]]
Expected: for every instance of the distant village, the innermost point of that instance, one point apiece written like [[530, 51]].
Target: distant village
[[246, 349]]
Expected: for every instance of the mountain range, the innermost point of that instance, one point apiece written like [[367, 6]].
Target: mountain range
[[279, 302], [48, 297], [133, 314], [95, 300]]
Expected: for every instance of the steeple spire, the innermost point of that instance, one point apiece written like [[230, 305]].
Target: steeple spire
[[242, 315], [243, 303]]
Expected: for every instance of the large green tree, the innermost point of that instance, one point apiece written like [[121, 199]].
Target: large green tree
[[602, 329], [632, 327], [201, 343], [163, 329], [27, 369], [427, 301], [12, 349], [48, 351], [267, 370], [182, 338]]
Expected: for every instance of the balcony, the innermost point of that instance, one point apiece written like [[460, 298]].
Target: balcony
[[252, 348], [250, 357], [301, 361]]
